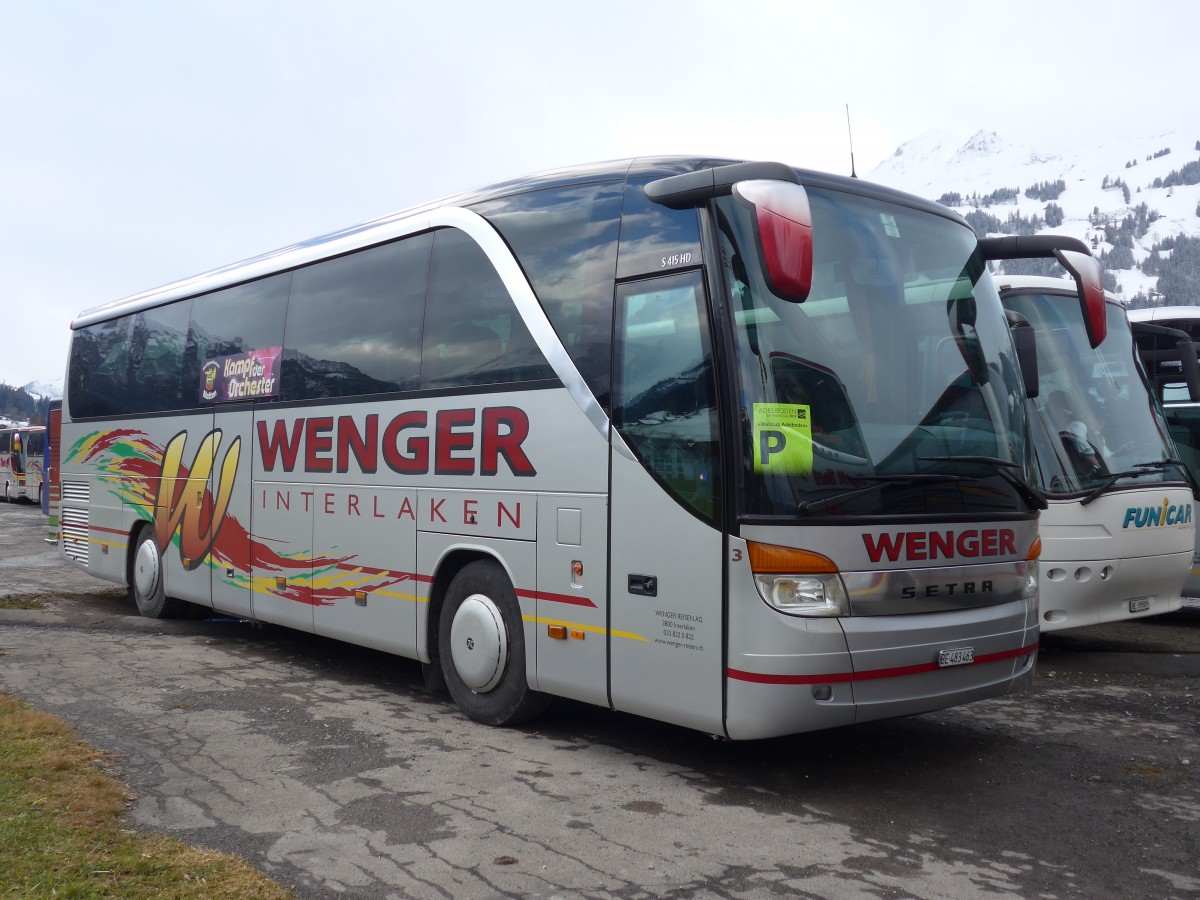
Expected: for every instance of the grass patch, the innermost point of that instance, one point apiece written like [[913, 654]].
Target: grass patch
[[62, 828], [41, 599], [23, 601]]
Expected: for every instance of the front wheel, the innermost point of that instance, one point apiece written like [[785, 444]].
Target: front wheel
[[147, 588], [482, 646]]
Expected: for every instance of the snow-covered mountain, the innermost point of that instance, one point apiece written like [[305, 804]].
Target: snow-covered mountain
[[47, 390], [1103, 187]]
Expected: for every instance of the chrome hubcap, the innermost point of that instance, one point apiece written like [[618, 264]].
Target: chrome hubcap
[[479, 643], [145, 569]]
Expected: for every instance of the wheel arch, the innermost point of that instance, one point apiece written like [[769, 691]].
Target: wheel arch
[[451, 562]]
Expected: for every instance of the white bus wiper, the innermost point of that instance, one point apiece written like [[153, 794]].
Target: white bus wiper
[[809, 507], [1138, 469], [1005, 469]]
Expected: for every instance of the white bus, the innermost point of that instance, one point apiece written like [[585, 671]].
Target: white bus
[[1118, 535], [730, 445], [1166, 357], [21, 448]]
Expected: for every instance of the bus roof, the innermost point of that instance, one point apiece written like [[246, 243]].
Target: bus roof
[[1030, 283], [382, 229], [1153, 313]]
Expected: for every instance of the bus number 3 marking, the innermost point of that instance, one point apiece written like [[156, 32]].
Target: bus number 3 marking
[[737, 555]]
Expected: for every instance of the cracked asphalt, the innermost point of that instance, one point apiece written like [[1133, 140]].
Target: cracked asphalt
[[332, 769]]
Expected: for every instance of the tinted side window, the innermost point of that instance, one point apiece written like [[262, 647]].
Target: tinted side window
[[566, 241], [354, 323], [100, 369], [235, 320], [157, 341], [473, 333], [664, 397]]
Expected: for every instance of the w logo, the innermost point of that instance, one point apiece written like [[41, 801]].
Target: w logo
[[184, 502]]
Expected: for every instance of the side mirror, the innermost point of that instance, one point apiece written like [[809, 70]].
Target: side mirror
[[1191, 369], [1025, 341], [783, 234], [1074, 256], [1162, 348], [1085, 269]]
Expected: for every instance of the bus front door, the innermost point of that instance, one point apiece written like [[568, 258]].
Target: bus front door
[[666, 551]]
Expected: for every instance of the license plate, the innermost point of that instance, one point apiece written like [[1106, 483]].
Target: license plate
[[1139, 605], [958, 657]]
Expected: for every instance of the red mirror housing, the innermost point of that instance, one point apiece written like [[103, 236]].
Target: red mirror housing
[[783, 228], [1089, 281]]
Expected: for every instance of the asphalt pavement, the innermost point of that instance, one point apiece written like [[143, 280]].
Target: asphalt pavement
[[332, 769]]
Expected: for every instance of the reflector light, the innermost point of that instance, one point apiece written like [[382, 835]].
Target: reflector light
[[558, 632], [578, 635], [280, 582], [1035, 549], [768, 558]]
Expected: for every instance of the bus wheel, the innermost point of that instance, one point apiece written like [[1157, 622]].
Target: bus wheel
[[146, 586], [482, 644]]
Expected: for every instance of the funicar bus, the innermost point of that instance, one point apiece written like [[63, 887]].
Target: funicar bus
[[726, 444], [1118, 534]]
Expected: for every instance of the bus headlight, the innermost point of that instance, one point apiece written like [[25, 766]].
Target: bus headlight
[[805, 595], [1030, 592], [798, 582]]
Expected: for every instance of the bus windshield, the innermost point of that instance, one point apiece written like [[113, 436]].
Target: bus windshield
[[1095, 414], [893, 388]]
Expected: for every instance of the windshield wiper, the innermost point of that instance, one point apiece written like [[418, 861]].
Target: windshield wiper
[[814, 506], [1138, 469], [1005, 469]]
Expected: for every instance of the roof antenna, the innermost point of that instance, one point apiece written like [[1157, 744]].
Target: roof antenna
[[850, 134]]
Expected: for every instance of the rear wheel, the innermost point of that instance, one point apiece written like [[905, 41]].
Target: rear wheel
[[482, 647], [147, 589]]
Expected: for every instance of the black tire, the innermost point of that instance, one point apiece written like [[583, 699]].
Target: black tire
[[481, 624], [147, 587]]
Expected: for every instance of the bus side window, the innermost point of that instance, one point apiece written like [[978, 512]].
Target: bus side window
[[354, 323], [157, 344], [100, 369], [473, 332], [234, 320], [664, 399]]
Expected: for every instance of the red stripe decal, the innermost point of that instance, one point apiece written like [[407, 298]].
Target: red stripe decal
[[557, 598], [898, 672], [115, 531]]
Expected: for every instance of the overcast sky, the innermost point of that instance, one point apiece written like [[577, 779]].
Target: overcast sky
[[142, 142]]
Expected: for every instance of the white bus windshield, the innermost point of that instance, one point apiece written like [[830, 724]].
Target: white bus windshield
[[896, 372], [1095, 414]]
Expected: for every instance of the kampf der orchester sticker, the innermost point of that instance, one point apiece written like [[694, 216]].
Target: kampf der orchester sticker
[[782, 439]]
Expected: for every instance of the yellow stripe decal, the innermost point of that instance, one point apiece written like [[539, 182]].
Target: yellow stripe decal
[[577, 626]]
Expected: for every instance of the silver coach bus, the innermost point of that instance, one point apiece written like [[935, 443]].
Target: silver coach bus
[[727, 444]]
